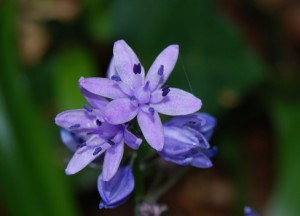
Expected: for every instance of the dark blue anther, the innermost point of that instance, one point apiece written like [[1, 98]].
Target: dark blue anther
[[110, 142], [97, 151], [74, 126], [165, 90], [151, 110], [160, 70], [98, 122], [116, 78], [132, 98], [146, 86], [137, 69], [81, 145], [88, 108]]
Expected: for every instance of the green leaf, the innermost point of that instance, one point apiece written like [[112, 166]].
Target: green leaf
[[30, 181], [69, 65], [286, 117]]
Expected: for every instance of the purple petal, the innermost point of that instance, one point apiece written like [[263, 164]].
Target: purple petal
[[71, 140], [120, 111], [84, 156], [180, 135], [162, 67], [152, 129], [201, 122], [200, 160], [125, 59], [77, 120], [96, 101], [102, 87], [131, 140], [116, 191], [112, 160], [177, 102]]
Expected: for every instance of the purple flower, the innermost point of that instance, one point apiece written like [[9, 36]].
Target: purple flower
[[133, 94], [71, 140], [249, 211], [117, 190], [186, 140], [98, 137]]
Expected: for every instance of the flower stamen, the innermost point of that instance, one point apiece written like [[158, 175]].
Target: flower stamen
[[110, 142], [160, 70], [88, 108], [81, 145], [151, 110], [115, 78], [97, 151], [98, 122], [74, 126], [165, 90], [137, 69]]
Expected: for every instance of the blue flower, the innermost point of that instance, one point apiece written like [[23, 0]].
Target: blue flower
[[97, 137], [134, 94], [186, 140], [117, 190], [249, 211]]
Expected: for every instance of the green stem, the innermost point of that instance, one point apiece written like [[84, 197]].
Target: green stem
[[169, 184]]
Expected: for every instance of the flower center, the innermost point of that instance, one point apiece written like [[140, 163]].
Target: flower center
[[143, 94]]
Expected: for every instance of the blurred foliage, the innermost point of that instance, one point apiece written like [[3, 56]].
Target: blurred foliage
[[217, 63]]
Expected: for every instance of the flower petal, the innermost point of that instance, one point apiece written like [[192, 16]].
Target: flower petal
[[162, 67], [180, 135], [112, 160], [96, 101], [77, 120], [200, 160], [152, 129], [124, 60], [84, 156], [177, 102], [102, 87], [131, 140], [71, 140], [116, 191], [120, 111]]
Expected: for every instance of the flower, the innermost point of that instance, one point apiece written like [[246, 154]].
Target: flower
[[186, 140], [133, 94], [97, 137], [117, 190], [249, 211]]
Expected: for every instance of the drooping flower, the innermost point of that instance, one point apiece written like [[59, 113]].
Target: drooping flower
[[117, 190], [186, 140], [98, 137], [249, 211], [133, 94]]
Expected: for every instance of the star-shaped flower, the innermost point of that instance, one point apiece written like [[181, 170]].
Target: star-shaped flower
[[133, 94], [97, 137]]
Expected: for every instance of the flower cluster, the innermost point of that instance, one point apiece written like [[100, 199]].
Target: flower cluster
[[97, 133]]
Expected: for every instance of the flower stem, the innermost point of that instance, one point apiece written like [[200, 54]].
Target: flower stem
[[169, 184]]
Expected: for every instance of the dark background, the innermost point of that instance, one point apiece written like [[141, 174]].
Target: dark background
[[240, 57]]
